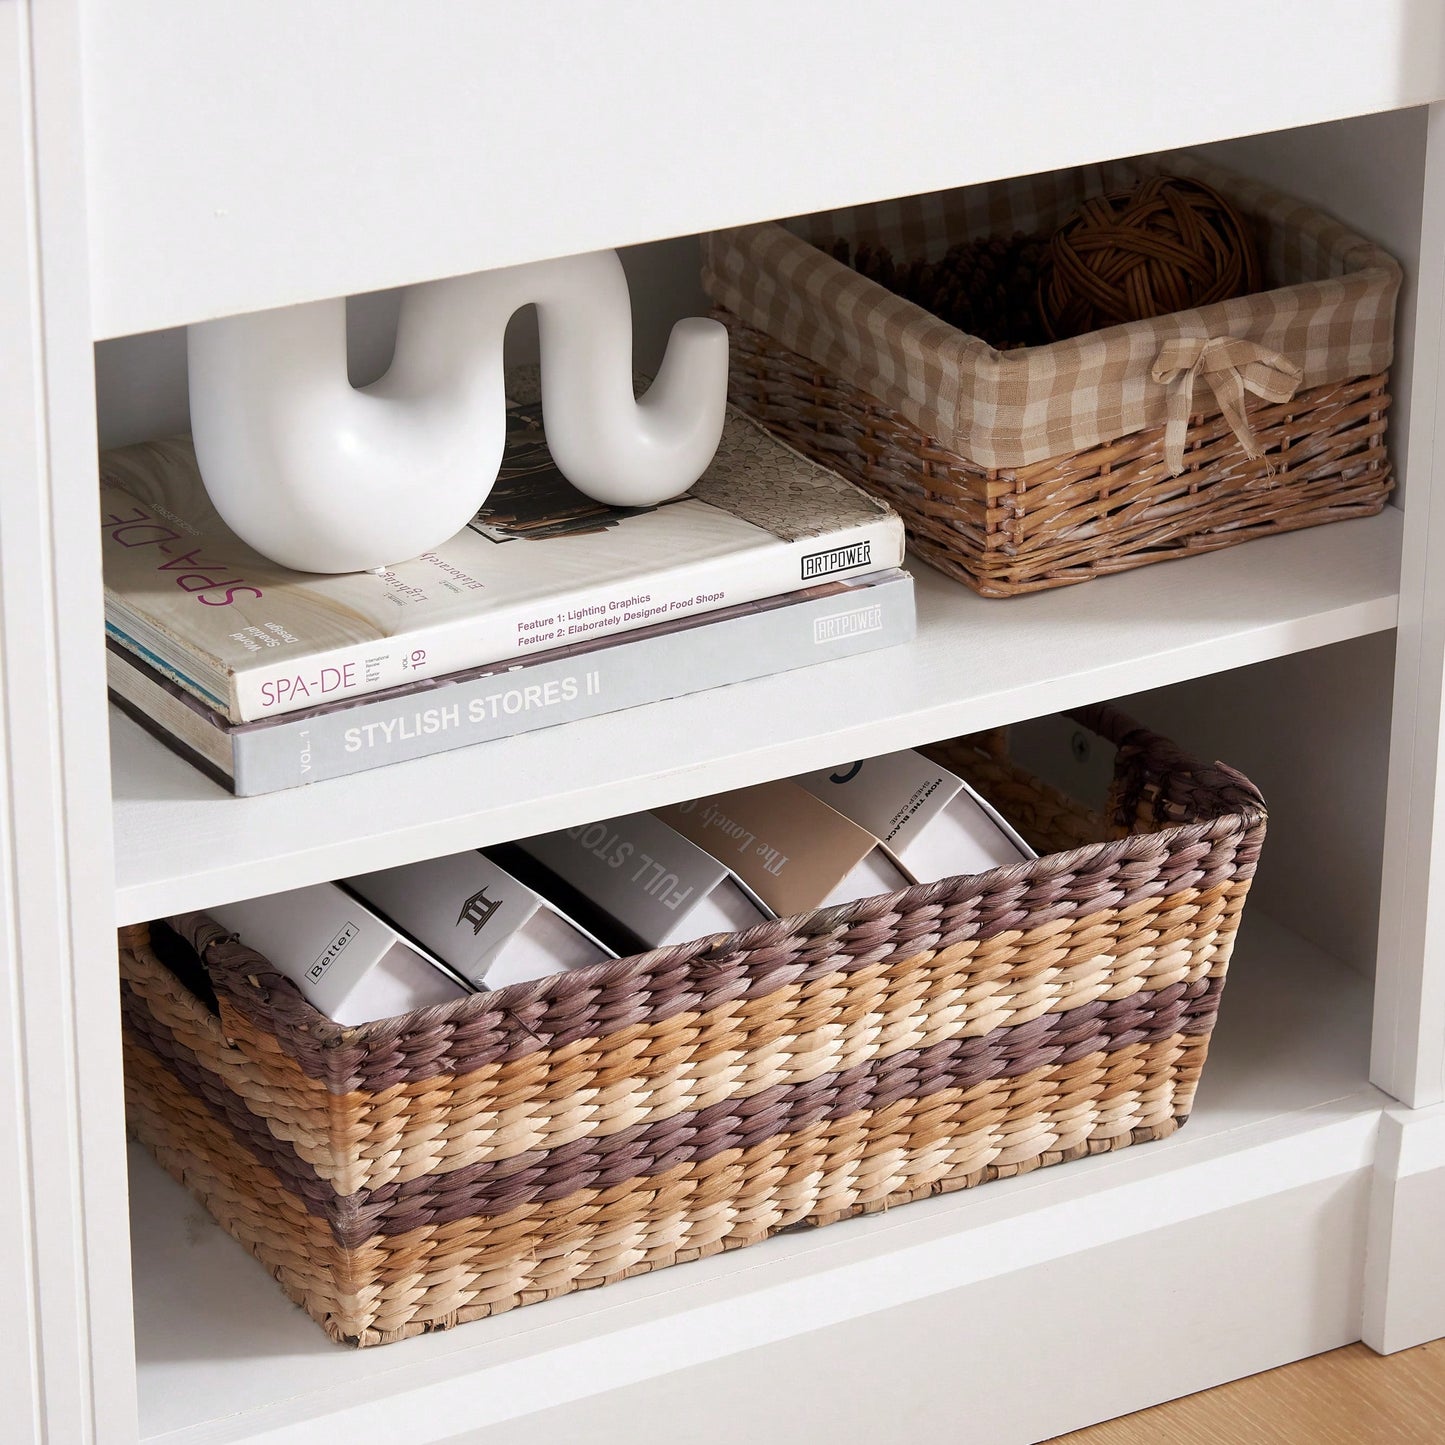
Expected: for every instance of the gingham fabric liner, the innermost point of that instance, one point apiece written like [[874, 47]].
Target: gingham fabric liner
[[1332, 312]]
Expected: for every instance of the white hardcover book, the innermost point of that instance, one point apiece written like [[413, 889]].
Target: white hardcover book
[[790, 848], [931, 822], [540, 567], [351, 965], [473, 914], [647, 880]]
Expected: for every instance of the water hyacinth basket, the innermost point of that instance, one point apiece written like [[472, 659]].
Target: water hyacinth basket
[[461, 1160]]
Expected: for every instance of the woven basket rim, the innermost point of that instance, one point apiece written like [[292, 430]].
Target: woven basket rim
[[1219, 318], [1203, 322], [243, 969], [241, 972], [1007, 409], [1364, 257]]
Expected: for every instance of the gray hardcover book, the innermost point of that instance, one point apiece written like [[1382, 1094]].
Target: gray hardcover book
[[832, 620]]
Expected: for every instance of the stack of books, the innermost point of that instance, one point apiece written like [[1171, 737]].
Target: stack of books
[[547, 608]]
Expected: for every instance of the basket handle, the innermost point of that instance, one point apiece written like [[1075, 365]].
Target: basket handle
[[199, 930], [1156, 783]]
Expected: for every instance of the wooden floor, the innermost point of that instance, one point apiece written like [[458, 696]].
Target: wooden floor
[[1347, 1397]]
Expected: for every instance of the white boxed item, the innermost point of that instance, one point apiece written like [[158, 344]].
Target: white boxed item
[[351, 965], [929, 820], [647, 880], [473, 914], [793, 850]]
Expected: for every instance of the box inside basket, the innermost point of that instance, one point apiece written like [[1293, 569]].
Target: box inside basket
[[1050, 819], [1148, 786]]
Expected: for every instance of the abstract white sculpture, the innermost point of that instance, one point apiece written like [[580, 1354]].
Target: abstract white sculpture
[[324, 477]]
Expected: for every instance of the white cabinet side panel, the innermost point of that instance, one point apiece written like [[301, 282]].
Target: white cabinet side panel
[[20, 1353], [1405, 1254], [59, 1028], [1409, 1043]]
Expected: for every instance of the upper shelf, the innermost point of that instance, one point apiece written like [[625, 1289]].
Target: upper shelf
[[183, 843], [263, 154]]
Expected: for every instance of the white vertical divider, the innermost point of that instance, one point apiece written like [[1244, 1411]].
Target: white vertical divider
[[67, 1360], [1405, 1248], [1408, 1054]]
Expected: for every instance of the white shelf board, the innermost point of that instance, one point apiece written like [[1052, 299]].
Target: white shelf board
[[182, 842], [223, 1356], [249, 156]]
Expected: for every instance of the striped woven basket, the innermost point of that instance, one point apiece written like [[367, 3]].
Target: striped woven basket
[[458, 1161]]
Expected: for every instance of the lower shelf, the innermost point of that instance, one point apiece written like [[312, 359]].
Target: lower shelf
[[1284, 1106]]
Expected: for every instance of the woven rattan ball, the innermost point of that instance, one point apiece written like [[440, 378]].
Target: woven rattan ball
[[1167, 245]]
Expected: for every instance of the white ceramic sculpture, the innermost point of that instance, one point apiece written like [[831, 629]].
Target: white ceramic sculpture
[[325, 477]]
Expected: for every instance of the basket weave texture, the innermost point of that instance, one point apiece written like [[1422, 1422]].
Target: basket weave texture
[[1047, 465], [458, 1161], [1108, 509]]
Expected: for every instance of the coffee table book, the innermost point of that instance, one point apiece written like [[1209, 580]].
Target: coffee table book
[[539, 567], [669, 659]]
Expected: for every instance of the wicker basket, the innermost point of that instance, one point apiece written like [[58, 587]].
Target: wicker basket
[[458, 1161], [1022, 470]]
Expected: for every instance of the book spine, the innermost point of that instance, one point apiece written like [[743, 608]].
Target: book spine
[[372, 735], [464, 642]]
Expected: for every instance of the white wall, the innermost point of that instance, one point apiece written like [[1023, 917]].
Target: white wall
[[1312, 732]]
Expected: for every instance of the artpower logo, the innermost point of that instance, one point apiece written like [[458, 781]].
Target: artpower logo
[[836, 559], [853, 623]]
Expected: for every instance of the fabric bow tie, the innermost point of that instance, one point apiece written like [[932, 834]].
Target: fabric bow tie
[[1231, 367]]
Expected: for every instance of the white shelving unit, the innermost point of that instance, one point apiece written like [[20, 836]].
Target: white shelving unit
[[162, 163]]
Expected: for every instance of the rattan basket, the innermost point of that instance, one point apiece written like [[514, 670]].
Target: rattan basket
[[458, 1161], [1022, 470]]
